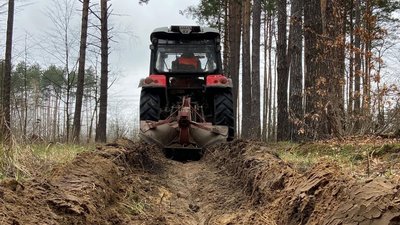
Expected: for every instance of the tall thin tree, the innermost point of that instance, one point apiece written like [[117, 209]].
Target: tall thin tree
[[283, 118], [357, 64], [234, 50], [255, 76], [7, 74], [81, 70], [246, 71], [101, 131], [296, 69]]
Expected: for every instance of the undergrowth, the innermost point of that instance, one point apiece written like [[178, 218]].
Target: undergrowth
[[25, 161], [361, 160]]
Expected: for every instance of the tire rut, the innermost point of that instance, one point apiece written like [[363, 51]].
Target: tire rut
[[200, 194]]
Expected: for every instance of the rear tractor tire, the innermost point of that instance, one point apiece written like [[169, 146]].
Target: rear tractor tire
[[223, 112], [150, 107]]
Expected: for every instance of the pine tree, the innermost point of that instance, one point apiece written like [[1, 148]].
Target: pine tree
[[81, 71]]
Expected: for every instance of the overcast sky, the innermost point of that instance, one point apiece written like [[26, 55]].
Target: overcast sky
[[130, 55]]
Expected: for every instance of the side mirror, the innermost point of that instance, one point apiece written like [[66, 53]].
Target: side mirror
[[151, 47]]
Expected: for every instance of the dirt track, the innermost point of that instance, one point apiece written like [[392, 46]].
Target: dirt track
[[238, 183]]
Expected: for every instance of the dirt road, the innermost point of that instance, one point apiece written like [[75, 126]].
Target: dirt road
[[238, 183]]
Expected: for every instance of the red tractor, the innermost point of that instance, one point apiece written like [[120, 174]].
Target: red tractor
[[186, 101]]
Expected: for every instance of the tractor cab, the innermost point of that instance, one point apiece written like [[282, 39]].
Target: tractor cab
[[185, 50], [183, 53]]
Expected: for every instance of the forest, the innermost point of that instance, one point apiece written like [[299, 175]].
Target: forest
[[302, 70], [313, 93], [309, 69]]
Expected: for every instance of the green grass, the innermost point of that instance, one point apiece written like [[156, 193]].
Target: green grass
[[25, 161]]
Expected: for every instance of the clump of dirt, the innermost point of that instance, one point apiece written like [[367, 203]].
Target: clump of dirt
[[322, 195], [81, 192]]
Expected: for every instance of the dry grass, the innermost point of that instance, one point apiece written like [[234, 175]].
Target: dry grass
[[361, 160], [26, 161]]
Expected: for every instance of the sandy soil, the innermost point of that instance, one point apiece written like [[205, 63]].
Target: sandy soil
[[236, 183]]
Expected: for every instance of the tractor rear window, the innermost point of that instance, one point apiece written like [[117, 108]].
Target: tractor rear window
[[192, 57]]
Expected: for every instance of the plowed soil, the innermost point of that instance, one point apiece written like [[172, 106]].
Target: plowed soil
[[237, 183]]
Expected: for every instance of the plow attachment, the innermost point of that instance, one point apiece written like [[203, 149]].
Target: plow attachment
[[178, 131]]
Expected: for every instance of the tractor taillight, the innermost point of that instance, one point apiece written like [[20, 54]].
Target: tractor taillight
[[223, 80], [216, 80], [148, 80], [160, 80]]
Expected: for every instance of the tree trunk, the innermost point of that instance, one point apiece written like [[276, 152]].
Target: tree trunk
[[101, 131], [334, 53], [350, 107], [7, 75], [357, 64], [368, 37], [283, 119], [234, 50], [246, 71], [312, 30], [255, 77], [271, 109], [55, 115], [226, 38], [264, 134], [296, 70], [81, 72]]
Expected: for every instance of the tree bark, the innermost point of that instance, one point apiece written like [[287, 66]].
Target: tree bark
[[368, 37], [264, 134], [312, 53], [357, 65], [234, 50], [296, 70], [334, 55], [226, 38], [246, 72], [283, 118], [101, 131], [255, 76], [350, 107], [271, 98], [81, 71], [7, 75]]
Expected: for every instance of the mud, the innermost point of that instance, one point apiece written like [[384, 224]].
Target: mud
[[237, 183]]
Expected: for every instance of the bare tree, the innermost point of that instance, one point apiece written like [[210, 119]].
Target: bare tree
[[61, 43], [101, 131], [7, 74], [81, 71]]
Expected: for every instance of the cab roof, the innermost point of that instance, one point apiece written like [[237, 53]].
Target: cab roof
[[184, 32]]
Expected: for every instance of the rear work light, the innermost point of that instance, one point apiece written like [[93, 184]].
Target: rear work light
[[160, 80], [185, 29], [216, 80]]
